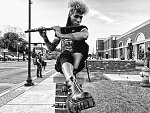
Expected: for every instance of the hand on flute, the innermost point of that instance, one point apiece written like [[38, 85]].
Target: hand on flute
[[57, 30], [42, 32]]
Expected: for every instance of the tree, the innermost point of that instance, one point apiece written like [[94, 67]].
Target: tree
[[17, 30], [11, 41], [9, 34]]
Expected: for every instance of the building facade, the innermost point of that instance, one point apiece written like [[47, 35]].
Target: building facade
[[117, 45], [100, 47]]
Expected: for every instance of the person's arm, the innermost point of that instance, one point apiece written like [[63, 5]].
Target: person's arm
[[82, 35], [50, 46], [53, 45], [37, 59]]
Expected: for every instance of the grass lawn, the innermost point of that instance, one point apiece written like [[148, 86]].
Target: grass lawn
[[117, 96]]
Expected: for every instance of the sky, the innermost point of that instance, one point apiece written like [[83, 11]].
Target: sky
[[105, 17]]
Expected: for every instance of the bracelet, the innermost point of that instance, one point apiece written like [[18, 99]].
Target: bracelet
[[73, 37], [46, 39]]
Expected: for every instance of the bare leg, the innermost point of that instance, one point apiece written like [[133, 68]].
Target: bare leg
[[77, 95], [67, 69], [77, 58]]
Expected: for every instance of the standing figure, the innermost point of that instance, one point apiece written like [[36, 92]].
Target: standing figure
[[130, 50], [44, 63], [99, 56], [74, 48], [147, 57], [106, 54], [39, 65]]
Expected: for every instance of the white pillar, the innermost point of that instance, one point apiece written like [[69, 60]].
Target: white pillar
[[135, 51], [126, 53], [119, 53]]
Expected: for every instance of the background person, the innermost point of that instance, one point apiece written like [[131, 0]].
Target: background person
[[39, 65], [106, 54], [130, 50], [147, 57], [44, 63]]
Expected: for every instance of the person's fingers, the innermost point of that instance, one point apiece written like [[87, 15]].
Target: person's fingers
[[56, 27]]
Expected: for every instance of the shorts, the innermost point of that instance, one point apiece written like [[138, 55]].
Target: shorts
[[66, 56]]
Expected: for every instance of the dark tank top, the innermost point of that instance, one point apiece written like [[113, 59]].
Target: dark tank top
[[67, 44]]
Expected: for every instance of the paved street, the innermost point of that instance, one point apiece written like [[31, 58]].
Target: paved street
[[13, 73]]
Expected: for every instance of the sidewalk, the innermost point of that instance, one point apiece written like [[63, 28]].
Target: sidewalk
[[118, 77], [34, 99]]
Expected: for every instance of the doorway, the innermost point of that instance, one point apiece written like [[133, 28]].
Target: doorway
[[140, 51]]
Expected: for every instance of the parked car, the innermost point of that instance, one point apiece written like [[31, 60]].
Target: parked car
[[10, 57], [1, 57]]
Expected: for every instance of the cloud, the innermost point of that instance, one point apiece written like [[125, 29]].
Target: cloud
[[97, 14]]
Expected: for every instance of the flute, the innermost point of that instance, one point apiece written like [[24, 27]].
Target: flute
[[38, 29], [64, 30]]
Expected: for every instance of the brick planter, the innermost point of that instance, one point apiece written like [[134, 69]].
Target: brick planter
[[111, 65]]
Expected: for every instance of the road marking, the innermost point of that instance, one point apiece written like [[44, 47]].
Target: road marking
[[15, 67], [7, 84]]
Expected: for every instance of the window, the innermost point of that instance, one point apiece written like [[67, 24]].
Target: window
[[140, 37]]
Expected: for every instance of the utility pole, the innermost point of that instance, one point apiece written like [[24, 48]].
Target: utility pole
[[29, 79]]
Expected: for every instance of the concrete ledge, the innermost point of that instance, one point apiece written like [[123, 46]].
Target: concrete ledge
[[118, 77], [60, 78]]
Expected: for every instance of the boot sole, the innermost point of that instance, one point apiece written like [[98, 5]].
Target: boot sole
[[79, 105]]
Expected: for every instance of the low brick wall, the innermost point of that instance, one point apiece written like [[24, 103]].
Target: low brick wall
[[111, 65]]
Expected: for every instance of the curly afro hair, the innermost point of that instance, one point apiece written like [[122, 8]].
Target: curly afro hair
[[78, 6]]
